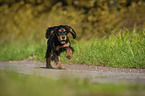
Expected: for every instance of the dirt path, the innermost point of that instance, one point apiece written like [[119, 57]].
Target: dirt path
[[95, 73]]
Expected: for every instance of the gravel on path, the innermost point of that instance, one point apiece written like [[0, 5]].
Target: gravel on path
[[96, 74]]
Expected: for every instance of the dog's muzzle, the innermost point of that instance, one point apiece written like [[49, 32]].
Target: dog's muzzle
[[62, 42], [62, 39]]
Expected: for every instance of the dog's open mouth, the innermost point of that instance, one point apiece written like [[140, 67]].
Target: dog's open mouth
[[62, 42]]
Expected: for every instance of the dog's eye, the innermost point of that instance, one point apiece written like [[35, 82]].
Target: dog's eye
[[59, 30], [64, 30]]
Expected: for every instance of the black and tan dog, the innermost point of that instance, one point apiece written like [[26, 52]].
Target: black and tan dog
[[58, 42]]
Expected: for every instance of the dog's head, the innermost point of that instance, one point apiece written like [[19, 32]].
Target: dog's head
[[61, 32]]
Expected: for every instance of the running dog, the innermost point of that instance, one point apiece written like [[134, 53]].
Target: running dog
[[58, 42]]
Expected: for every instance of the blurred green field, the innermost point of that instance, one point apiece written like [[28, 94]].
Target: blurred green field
[[125, 50], [15, 84]]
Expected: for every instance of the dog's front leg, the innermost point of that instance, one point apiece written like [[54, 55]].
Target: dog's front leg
[[57, 60], [48, 62], [48, 59], [69, 53], [59, 63]]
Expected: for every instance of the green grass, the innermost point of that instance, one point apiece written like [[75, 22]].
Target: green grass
[[17, 51], [125, 50], [15, 84]]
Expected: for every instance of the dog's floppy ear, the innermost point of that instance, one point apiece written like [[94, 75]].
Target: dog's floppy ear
[[71, 30], [50, 31]]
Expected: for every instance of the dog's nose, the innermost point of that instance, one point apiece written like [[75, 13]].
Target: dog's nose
[[63, 37]]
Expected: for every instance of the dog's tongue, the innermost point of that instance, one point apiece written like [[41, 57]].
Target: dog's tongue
[[62, 42]]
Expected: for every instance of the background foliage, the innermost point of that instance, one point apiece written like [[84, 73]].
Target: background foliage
[[27, 20]]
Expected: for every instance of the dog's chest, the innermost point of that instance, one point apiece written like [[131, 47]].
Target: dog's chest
[[63, 49]]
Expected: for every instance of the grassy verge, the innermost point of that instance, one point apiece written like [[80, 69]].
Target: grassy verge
[[17, 51], [14, 84], [126, 50]]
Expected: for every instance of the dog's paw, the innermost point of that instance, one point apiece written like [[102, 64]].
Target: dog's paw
[[59, 66], [49, 66], [68, 57]]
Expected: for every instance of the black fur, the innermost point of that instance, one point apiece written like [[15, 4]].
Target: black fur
[[53, 42], [55, 30]]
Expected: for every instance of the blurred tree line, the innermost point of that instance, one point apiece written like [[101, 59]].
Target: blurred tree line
[[22, 20]]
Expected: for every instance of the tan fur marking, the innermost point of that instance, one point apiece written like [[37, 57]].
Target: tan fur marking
[[57, 48], [65, 45], [48, 61], [59, 63], [48, 65], [64, 30], [69, 53], [71, 31], [59, 30], [51, 32]]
